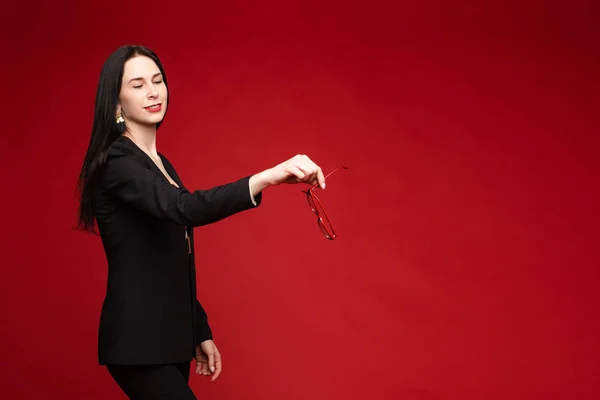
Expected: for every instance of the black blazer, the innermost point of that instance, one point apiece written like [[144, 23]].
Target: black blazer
[[150, 314]]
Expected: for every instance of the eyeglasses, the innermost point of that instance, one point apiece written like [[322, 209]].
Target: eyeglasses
[[317, 208]]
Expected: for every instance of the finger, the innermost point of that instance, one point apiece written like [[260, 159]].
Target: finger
[[309, 172], [200, 355], [218, 366], [201, 368], [311, 163], [321, 178], [296, 172], [211, 361], [319, 173]]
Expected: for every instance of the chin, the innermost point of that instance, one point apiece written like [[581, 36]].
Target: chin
[[155, 120]]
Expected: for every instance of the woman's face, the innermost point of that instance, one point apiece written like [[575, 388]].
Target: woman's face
[[143, 97]]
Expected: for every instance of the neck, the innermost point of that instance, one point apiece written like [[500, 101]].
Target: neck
[[144, 136]]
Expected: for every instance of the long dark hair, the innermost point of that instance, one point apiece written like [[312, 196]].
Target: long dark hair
[[104, 128]]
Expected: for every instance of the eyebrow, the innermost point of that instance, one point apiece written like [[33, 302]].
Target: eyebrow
[[138, 79]]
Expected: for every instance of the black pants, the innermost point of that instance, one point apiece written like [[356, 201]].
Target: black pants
[[149, 382]]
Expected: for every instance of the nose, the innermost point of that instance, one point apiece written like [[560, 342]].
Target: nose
[[152, 92]]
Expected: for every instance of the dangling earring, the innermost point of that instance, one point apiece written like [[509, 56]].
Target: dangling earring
[[120, 122]]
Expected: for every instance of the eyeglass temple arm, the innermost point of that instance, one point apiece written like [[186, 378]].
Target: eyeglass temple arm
[[329, 174]]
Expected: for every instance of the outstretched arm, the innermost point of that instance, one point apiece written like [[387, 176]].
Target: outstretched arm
[[129, 179]]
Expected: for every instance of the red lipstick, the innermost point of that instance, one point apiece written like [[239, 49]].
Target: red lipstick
[[154, 108]]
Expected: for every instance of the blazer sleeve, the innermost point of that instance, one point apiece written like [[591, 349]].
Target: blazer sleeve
[[203, 331], [127, 178]]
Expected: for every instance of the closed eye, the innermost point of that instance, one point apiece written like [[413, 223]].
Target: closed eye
[[139, 86]]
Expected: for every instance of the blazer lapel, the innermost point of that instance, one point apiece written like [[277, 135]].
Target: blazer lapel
[[149, 162], [171, 171]]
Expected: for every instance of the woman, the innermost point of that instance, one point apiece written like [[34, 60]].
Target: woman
[[151, 324]]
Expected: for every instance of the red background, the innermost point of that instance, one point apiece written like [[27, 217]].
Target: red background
[[467, 260]]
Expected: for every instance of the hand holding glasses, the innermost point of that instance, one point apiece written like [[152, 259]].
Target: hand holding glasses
[[317, 208]]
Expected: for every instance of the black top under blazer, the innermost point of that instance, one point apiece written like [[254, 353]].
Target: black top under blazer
[[150, 313]]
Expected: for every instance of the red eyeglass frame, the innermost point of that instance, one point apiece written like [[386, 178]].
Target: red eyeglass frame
[[317, 208]]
